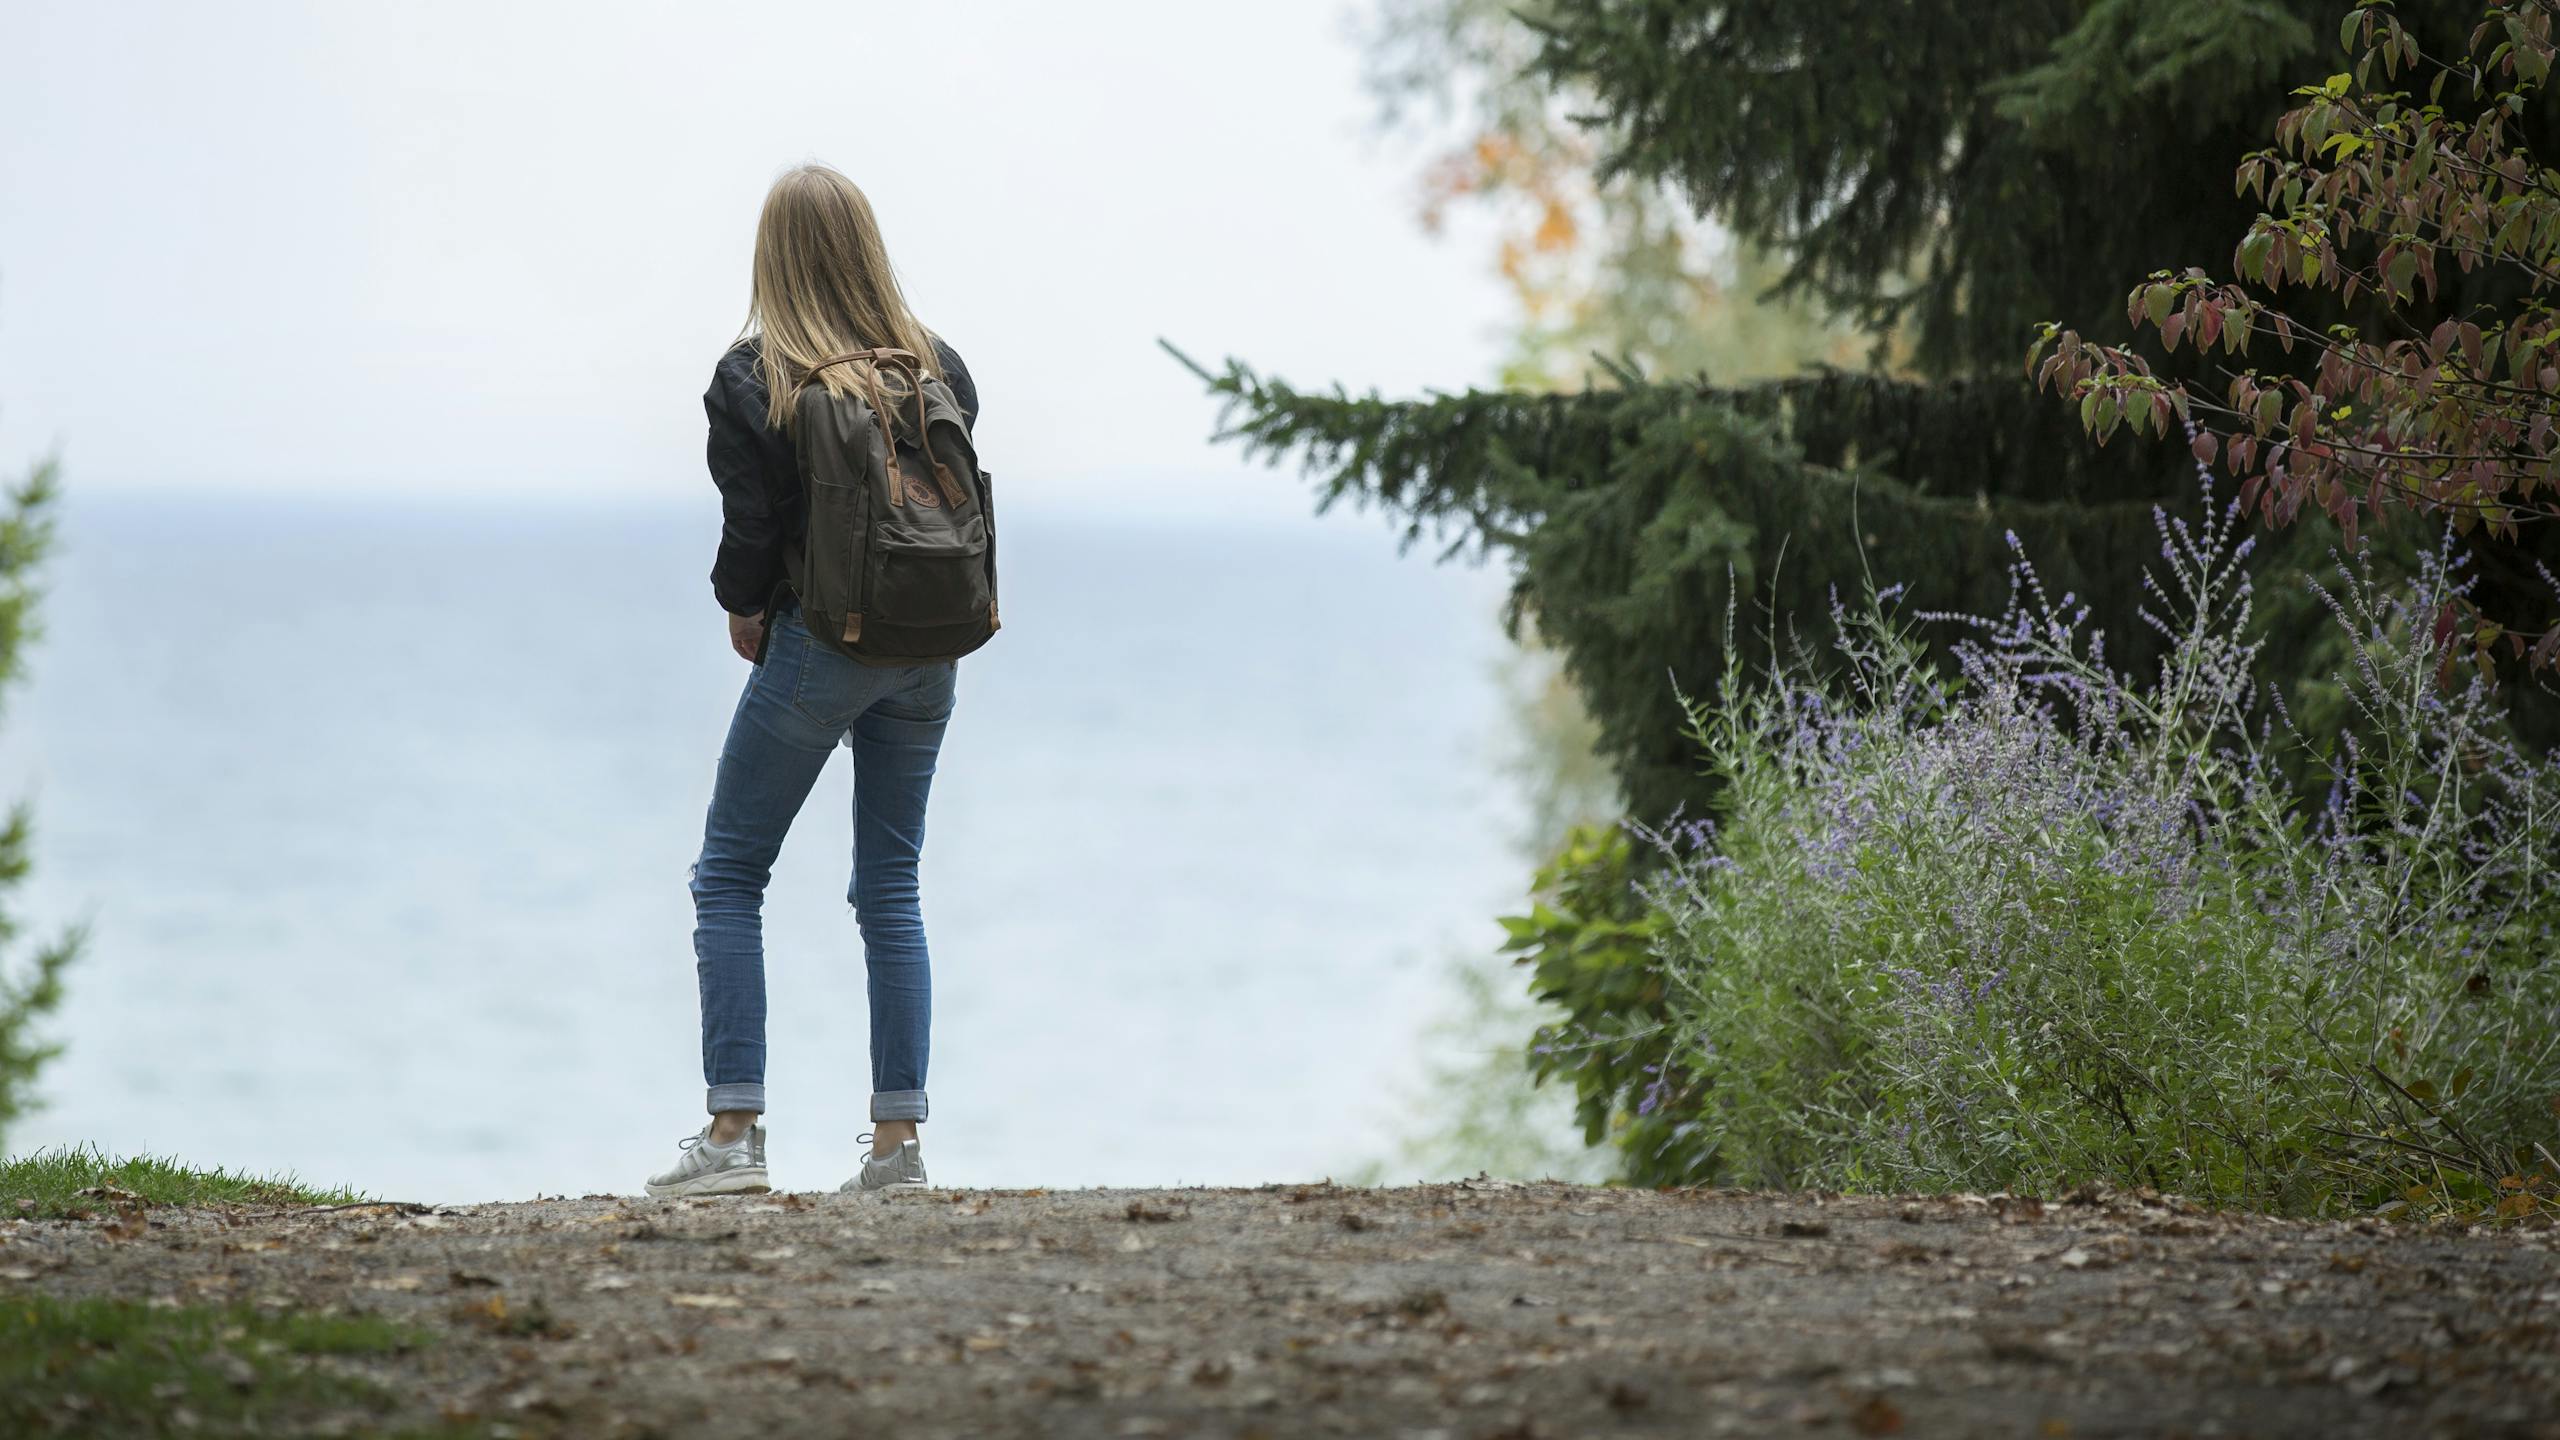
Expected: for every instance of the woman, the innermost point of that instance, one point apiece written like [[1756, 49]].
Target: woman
[[822, 287]]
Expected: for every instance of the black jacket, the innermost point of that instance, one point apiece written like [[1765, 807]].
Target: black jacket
[[759, 477]]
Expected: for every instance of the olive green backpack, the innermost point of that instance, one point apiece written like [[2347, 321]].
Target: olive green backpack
[[898, 563]]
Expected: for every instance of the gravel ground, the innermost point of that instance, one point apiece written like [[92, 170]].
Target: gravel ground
[[1470, 1311]]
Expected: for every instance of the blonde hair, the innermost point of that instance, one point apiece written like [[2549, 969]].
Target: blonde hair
[[823, 286]]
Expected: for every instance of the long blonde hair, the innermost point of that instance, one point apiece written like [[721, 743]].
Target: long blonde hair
[[823, 285]]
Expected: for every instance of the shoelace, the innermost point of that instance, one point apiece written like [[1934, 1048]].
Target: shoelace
[[695, 1142]]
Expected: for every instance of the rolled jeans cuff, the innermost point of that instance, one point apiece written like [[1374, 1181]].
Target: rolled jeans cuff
[[734, 1097], [897, 1105]]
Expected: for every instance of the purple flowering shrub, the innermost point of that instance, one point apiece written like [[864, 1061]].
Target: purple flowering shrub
[[2031, 921]]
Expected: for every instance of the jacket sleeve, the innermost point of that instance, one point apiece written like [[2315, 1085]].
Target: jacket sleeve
[[749, 564], [955, 373]]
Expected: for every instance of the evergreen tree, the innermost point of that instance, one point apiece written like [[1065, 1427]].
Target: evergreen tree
[[26, 534], [1964, 167], [1949, 173]]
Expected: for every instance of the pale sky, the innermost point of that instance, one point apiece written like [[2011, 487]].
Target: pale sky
[[475, 248]]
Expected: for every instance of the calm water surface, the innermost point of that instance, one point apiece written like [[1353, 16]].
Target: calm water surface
[[381, 816]]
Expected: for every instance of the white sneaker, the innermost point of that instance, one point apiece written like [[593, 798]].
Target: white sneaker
[[900, 1169], [707, 1169]]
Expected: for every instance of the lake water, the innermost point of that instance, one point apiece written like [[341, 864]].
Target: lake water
[[381, 816]]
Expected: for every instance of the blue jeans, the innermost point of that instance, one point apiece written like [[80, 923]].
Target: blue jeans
[[798, 705]]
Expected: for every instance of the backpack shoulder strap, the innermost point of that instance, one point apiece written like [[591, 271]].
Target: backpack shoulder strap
[[877, 355], [871, 392]]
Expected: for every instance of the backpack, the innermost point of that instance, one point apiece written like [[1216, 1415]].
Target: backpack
[[897, 564]]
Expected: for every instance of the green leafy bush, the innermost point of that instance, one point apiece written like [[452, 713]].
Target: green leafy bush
[[1588, 941], [2036, 922]]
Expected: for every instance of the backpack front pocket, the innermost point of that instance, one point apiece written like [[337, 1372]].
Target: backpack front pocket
[[929, 575]]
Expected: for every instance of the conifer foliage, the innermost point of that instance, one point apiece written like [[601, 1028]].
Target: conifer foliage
[[1956, 171], [1634, 515], [30, 990], [1961, 166]]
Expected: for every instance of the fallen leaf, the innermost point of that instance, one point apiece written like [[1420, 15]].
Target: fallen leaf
[[1878, 1416]]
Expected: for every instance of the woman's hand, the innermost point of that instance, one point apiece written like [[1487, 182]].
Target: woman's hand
[[746, 636]]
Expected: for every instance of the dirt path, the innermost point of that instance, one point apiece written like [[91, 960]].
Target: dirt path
[[1456, 1311]]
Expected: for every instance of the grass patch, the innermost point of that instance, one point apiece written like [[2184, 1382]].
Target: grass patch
[[118, 1367], [48, 1184]]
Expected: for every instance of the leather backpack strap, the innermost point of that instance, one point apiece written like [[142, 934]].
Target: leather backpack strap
[[879, 356], [906, 363], [870, 386], [912, 370], [875, 354]]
